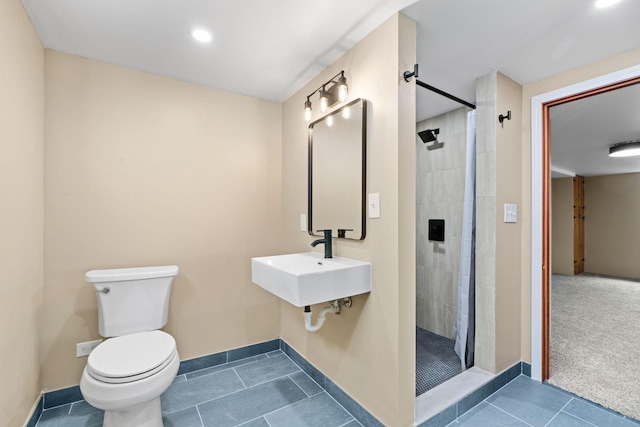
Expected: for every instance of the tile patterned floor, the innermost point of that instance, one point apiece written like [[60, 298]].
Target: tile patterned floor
[[436, 360], [524, 402], [268, 390]]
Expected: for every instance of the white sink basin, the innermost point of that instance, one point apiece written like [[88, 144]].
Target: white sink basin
[[308, 278]]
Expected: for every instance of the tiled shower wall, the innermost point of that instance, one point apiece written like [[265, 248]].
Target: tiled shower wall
[[440, 195]]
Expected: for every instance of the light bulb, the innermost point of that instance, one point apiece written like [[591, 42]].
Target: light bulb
[[342, 88], [307, 110], [324, 102]]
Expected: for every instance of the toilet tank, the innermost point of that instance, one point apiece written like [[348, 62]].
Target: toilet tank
[[132, 299]]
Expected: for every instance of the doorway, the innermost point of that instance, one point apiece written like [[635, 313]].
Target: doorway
[[541, 227]]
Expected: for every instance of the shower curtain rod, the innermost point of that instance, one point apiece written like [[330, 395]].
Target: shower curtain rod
[[445, 94]]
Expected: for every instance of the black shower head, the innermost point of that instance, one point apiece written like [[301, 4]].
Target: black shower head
[[429, 135]]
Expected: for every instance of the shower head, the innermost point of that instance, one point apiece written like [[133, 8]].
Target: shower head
[[429, 135]]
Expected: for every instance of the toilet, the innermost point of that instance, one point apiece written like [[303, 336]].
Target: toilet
[[126, 374]]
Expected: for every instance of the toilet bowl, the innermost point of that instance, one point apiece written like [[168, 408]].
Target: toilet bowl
[[125, 377], [126, 374]]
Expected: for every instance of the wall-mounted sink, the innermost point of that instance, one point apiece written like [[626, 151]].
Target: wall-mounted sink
[[308, 278]]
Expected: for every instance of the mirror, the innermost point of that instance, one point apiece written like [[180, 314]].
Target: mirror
[[337, 172]]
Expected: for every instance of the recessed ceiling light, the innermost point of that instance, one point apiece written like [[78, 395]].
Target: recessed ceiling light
[[601, 4], [201, 35]]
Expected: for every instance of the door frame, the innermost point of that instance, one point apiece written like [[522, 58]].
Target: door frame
[[540, 220]]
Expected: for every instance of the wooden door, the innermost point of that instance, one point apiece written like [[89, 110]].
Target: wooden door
[[578, 224]]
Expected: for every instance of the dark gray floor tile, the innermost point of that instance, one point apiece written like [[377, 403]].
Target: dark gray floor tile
[[347, 402], [84, 416], [186, 418], [258, 422], [83, 408], [192, 392], [442, 419], [482, 393], [253, 350], [275, 353], [250, 403], [305, 382], [266, 369], [35, 415], [595, 414], [203, 362], [565, 420], [514, 371], [179, 379], [311, 370], [353, 423], [529, 401], [56, 412], [526, 369], [317, 411], [485, 415], [62, 397], [224, 366]]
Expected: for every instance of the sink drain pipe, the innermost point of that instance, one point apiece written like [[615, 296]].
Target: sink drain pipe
[[334, 307]]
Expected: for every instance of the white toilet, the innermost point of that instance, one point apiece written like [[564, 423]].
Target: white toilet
[[126, 374]]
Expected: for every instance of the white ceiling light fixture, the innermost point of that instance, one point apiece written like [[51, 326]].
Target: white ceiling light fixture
[[202, 35], [625, 149], [601, 4]]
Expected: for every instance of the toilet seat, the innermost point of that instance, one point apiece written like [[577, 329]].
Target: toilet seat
[[132, 357]]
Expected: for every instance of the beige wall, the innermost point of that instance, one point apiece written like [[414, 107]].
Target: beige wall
[[143, 170], [497, 243], [21, 212], [606, 66], [562, 226], [369, 349], [613, 209], [508, 235]]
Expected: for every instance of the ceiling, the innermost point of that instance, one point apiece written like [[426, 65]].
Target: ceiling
[[582, 131], [270, 50]]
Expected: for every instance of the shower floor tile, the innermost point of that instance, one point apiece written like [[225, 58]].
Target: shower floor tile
[[270, 390], [436, 361]]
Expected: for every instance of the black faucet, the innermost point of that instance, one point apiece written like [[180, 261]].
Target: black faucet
[[327, 243]]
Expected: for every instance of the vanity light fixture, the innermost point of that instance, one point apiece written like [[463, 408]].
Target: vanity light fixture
[[331, 92], [625, 149]]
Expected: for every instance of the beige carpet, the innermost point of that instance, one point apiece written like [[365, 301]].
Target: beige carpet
[[595, 340]]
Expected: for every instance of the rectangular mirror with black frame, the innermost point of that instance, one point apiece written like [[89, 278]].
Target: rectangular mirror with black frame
[[337, 172]]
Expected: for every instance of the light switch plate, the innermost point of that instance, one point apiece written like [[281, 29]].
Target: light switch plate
[[303, 222], [374, 205], [510, 213]]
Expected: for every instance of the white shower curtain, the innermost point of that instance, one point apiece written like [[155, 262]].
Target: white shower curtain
[[464, 326]]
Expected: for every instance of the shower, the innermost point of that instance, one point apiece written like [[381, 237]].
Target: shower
[[431, 135], [444, 278], [445, 265]]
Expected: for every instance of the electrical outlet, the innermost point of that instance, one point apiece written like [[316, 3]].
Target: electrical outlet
[[84, 348]]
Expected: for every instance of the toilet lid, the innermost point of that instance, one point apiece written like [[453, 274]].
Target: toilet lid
[[131, 357]]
